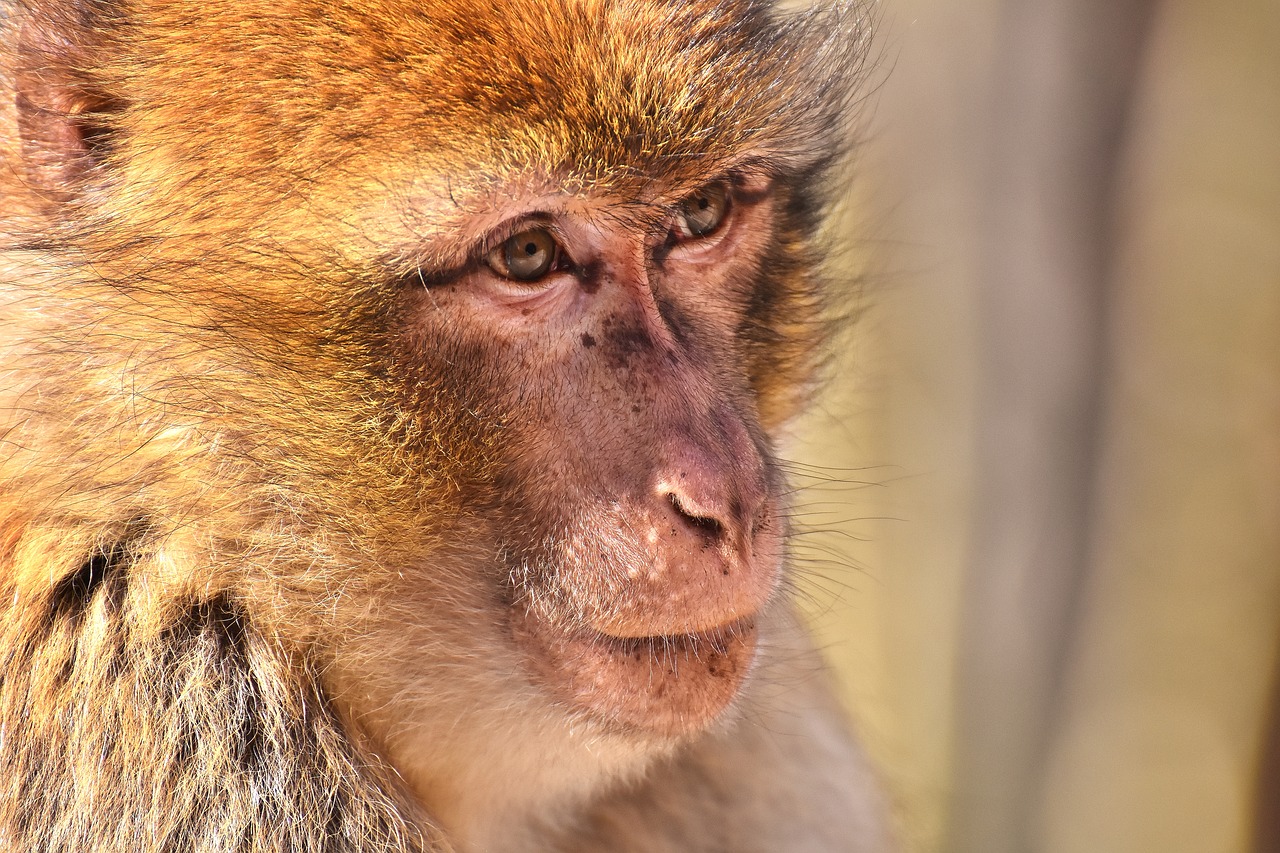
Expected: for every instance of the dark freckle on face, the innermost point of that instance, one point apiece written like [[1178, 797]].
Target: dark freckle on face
[[629, 340], [587, 340], [589, 277]]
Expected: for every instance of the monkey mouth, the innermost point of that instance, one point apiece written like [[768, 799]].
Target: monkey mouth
[[669, 685]]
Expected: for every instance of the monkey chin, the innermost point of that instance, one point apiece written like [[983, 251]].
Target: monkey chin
[[667, 687]]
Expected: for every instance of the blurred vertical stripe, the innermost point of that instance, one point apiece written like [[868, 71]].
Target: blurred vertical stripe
[[1067, 387]]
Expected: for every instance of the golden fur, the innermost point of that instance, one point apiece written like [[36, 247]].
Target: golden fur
[[210, 485]]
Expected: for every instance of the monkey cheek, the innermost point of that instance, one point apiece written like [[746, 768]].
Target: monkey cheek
[[668, 687]]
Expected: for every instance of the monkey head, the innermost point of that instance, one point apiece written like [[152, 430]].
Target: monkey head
[[447, 340]]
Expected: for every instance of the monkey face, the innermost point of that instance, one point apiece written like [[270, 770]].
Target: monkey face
[[440, 345], [632, 491]]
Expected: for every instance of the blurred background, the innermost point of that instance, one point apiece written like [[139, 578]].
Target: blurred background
[[1042, 490]]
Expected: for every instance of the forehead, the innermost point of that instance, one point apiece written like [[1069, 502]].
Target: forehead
[[601, 92], [598, 90]]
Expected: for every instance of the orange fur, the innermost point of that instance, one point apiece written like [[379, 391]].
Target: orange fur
[[218, 511]]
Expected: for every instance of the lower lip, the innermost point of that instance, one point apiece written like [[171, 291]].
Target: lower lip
[[668, 686]]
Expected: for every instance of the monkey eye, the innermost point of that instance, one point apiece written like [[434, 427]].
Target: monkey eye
[[527, 256], [703, 212]]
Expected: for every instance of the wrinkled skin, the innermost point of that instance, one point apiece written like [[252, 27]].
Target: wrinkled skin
[[388, 411]]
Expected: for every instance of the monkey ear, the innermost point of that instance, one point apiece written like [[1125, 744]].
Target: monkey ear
[[63, 109]]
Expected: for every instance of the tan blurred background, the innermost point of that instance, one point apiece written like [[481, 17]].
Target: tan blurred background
[[1047, 473]]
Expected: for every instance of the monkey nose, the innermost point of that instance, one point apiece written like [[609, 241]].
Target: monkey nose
[[715, 502], [709, 550], [706, 523]]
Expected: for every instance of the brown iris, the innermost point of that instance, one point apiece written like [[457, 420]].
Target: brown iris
[[527, 256], [703, 212]]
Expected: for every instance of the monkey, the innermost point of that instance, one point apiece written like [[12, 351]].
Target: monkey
[[389, 398]]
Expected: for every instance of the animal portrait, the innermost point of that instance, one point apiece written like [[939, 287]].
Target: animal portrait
[[389, 405]]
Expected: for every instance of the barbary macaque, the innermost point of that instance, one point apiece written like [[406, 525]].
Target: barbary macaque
[[387, 402]]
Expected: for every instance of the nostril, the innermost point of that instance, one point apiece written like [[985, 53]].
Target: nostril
[[707, 526]]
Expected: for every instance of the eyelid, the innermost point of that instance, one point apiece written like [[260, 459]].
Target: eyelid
[[503, 232], [744, 184]]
